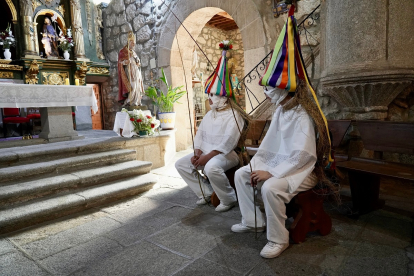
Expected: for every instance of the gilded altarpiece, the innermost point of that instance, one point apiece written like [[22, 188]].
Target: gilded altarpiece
[[28, 18]]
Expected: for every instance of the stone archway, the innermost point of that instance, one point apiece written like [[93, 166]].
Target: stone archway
[[194, 15]]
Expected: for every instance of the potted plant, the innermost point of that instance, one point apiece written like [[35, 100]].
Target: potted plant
[[143, 124], [7, 40], [66, 43], [165, 101]]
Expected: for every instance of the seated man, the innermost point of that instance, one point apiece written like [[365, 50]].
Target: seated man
[[214, 143], [282, 167]]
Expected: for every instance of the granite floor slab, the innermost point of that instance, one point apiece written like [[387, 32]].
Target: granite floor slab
[[163, 232]]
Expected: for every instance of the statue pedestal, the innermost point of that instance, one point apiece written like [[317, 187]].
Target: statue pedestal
[[138, 107]]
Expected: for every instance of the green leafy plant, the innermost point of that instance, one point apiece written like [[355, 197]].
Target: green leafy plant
[[165, 101]]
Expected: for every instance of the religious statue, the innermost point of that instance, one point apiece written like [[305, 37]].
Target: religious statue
[[131, 87], [49, 39], [194, 65], [232, 64]]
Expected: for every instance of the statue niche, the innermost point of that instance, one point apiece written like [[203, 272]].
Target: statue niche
[[48, 33]]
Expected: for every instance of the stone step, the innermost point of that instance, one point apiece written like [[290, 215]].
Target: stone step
[[58, 166], [27, 190], [25, 215], [47, 152]]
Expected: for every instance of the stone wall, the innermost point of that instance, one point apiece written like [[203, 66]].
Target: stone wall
[[209, 40], [144, 18], [149, 18]]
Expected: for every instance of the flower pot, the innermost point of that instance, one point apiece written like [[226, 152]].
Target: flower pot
[[142, 133], [66, 55], [7, 54], [167, 120]]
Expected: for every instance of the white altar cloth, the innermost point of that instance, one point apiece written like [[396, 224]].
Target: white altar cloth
[[26, 95], [122, 122]]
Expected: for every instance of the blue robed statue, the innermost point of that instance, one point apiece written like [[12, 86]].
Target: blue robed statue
[[49, 39]]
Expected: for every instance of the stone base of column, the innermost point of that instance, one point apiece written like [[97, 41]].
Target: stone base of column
[[57, 124], [83, 59]]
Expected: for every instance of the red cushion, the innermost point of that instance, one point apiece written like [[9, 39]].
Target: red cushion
[[15, 120], [33, 116], [11, 112]]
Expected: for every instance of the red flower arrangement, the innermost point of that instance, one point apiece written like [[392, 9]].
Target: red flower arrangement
[[226, 45]]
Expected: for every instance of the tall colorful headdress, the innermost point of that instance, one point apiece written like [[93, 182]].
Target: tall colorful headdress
[[218, 82], [286, 66]]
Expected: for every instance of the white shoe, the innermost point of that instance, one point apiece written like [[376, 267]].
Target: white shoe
[[224, 208], [272, 250], [241, 228], [201, 201]]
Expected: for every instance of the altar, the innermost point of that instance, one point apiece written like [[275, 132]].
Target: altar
[[55, 104]]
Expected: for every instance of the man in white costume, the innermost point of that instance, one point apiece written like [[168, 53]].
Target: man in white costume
[[214, 144], [281, 168]]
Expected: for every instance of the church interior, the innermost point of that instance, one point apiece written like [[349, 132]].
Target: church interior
[[101, 99]]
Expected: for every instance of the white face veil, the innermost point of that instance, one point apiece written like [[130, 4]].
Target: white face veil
[[276, 95], [218, 101]]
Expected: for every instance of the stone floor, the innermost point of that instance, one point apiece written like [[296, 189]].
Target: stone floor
[[163, 232]]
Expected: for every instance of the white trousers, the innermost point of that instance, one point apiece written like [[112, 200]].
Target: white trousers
[[275, 193], [215, 170]]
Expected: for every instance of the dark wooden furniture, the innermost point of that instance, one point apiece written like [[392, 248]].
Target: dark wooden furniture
[[338, 129], [256, 131], [309, 216], [365, 174]]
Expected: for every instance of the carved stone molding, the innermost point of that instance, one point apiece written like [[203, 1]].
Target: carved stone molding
[[98, 71], [32, 72], [6, 75], [54, 78], [371, 99], [81, 73]]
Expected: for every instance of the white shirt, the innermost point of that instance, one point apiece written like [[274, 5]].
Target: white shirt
[[218, 131], [289, 147]]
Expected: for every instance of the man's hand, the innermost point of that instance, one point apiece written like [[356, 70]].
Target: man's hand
[[194, 159], [201, 161], [258, 176]]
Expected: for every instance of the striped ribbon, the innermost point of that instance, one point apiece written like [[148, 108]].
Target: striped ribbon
[[219, 82], [286, 65]]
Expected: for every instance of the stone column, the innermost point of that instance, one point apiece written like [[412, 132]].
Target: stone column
[[27, 10], [367, 55], [75, 8]]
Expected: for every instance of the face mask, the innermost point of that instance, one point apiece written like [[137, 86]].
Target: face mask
[[276, 95], [218, 101]]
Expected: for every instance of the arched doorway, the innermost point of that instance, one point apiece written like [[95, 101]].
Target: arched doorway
[[195, 15]]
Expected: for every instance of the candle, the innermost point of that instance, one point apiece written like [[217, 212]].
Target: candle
[[76, 81], [67, 81]]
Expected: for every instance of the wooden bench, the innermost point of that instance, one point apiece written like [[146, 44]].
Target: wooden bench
[[365, 174]]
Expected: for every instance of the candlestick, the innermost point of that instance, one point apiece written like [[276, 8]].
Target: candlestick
[[67, 81], [76, 81]]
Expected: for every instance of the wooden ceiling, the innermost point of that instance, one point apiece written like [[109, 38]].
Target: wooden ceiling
[[223, 21]]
